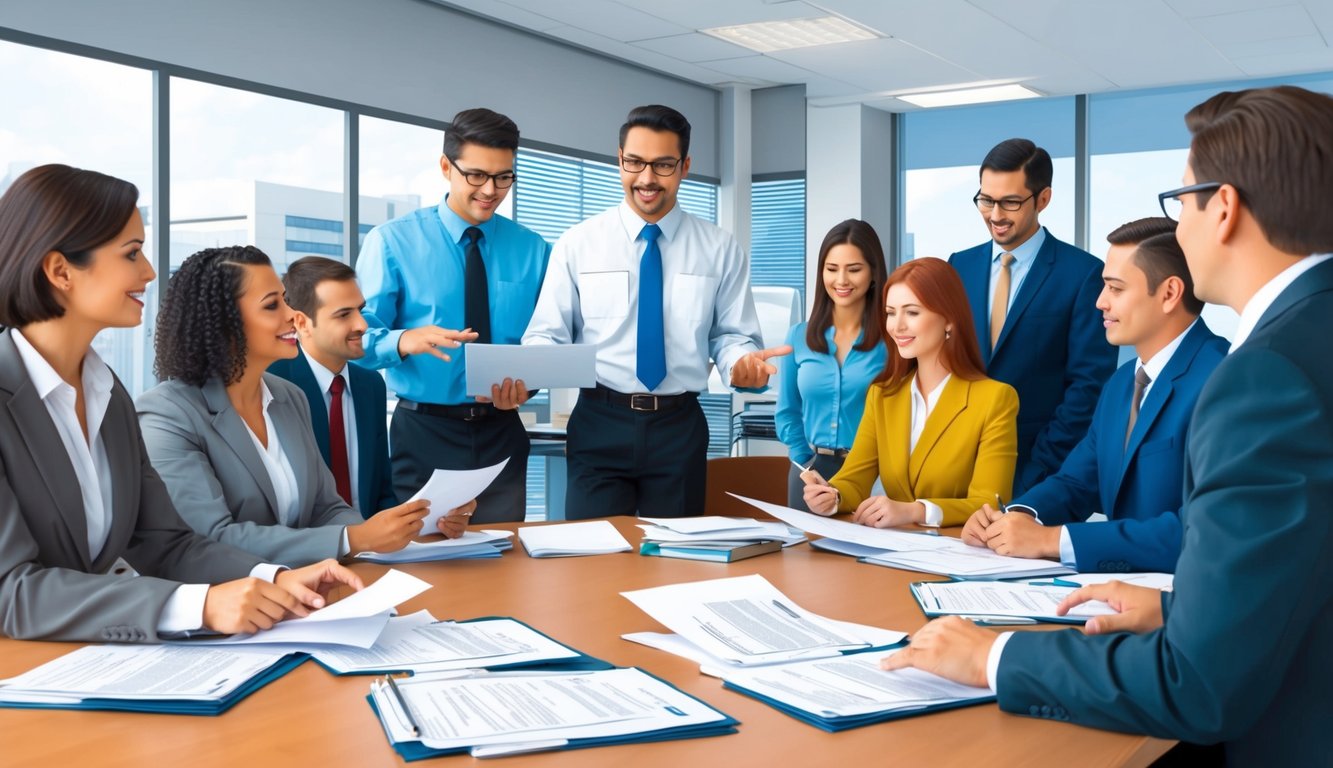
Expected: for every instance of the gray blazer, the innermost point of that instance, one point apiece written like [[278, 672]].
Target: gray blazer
[[202, 449], [50, 588]]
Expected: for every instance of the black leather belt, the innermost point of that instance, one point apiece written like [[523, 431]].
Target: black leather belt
[[840, 452], [474, 412], [640, 401]]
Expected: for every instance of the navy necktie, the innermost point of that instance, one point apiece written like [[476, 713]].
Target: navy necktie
[[651, 362], [476, 297]]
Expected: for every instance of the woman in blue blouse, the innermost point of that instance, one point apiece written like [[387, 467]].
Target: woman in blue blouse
[[837, 353]]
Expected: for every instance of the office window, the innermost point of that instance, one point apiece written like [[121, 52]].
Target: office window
[[88, 114], [250, 168], [777, 233]]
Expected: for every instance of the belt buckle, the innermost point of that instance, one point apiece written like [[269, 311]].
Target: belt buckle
[[475, 412], [634, 401]]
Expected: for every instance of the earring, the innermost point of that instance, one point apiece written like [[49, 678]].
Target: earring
[[947, 332]]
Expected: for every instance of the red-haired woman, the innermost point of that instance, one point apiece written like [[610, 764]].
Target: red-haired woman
[[941, 437]]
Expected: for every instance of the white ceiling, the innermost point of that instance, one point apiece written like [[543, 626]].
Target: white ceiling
[[1056, 47]]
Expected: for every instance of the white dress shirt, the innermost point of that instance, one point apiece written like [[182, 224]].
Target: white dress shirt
[[325, 379], [277, 465], [591, 296], [922, 405], [184, 610]]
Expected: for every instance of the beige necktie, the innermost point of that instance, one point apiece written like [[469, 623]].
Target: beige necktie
[[1141, 381], [999, 306]]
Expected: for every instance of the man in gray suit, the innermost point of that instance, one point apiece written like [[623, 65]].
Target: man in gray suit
[[1238, 654]]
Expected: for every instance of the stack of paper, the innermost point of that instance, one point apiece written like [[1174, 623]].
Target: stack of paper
[[598, 537], [510, 712], [472, 544], [718, 539], [990, 602], [148, 678], [418, 644], [851, 691], [452, 488]]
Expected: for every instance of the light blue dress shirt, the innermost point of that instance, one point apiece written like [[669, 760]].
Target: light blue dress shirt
[[591, 296], [820, 402], [412, 272], [1024, 255]]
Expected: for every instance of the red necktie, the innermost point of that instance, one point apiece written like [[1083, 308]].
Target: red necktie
[[338, 440]]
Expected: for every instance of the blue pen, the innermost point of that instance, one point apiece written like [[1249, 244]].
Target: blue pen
[[1056, 583]]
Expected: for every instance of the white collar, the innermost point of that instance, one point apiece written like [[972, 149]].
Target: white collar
[[323, 376]]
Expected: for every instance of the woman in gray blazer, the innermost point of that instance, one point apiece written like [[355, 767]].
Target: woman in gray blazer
[[79, 500], [234, 444]]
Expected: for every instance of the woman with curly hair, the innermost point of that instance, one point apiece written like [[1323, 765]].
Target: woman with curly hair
[[78, 498], [234, 444]]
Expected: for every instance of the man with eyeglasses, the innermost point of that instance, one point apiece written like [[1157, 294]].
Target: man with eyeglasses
[[1034, 303], [1238, 654], [435, 279], [659, 292]]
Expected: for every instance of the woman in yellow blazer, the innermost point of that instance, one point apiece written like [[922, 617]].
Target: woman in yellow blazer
[[941, 436]]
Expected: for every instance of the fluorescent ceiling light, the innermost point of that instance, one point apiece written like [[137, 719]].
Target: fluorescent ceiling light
[[768, 36], [957, 97]]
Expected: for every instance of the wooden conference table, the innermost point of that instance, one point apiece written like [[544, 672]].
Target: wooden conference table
[[311, 718]]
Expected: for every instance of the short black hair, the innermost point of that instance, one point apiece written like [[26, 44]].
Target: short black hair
[[480, 126], [200, 334], [1158, 254], [54, 208], [658, 118], [304, 276], [1021, 154]]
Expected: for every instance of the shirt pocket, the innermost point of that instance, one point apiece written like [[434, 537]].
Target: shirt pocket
[[604, 294], [692, 299]]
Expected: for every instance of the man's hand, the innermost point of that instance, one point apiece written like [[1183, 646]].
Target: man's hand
[[508, 395], [455, 523], [753, 370], [1138, 609], [950, 647], [389, 530], [974, 531], [883, 512], [1020, 535], [430, 338], [819, 496]]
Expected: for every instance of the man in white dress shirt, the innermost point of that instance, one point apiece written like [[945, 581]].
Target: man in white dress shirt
[[659, 292]]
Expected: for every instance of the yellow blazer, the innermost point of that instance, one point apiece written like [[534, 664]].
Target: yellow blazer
[[966, 453]]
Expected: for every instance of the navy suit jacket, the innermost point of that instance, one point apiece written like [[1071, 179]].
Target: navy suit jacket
[[1243, 656], [374, 475], [1138, 486], [1052, 349]]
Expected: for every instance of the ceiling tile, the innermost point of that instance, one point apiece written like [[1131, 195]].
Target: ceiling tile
[[635, 55], [1322, 14], [703, 14], [1245, 50], [502, 11], [1248, 26], [878, 65], [1196, 8], [604, 17], [693, 47], [1287, 63], [774, 71]]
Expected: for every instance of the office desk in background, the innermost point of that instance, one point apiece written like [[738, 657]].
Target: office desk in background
[[311, 718]]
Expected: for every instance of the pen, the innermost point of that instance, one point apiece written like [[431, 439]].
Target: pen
[[1004, 508], [1056, 583], [402, 703], [998, 620], [786, 610]]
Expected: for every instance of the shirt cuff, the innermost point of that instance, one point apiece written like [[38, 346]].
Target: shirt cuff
[[1067, 557], [993, 661], [934, 515], [343, 546], [184, 611], [1025, 509]]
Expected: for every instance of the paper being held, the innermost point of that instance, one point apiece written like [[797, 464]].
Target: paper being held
[[452, 488]]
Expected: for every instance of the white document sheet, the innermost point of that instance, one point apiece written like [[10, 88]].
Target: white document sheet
[[596, 537], [527, 707], [451, 488], [1001, 598], [745, 620], [880, 538], [484, 543], [540, 366], [419, 643], [140, 672], [851, 685], [710, 524], [966, 562], [762, 531], [1163, 581]]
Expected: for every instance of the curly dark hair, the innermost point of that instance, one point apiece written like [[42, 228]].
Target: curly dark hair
[[200, 334]]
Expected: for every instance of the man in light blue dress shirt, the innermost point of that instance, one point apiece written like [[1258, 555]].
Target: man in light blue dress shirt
[[659, 292], [456, 265]]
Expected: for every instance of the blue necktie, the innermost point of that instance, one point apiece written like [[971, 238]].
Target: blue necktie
[[651, 362]]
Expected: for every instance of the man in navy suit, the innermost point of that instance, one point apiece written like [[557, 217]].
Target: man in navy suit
[[1239, 652], [1033, 301], [329, 324], [1130, 465]]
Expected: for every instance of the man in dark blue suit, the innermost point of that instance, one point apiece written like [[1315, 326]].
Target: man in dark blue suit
[[329, 324], [1130, 465], [1239, 652], [1033, 301]]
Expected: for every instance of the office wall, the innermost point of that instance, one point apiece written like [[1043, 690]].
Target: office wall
[[778, 121], [406, 56]]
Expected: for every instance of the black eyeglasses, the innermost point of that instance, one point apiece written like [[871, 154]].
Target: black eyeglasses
[[503, 179], [660, 167], [1006, 203], [1171, 202]]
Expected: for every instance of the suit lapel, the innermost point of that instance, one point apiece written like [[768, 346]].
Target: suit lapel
[[1318, 279], [122, 453], [1160, 393], [364, 411], [953, 401], [898, 411], [229, 425], [976, 280], [1042, 264], [304, 378]]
